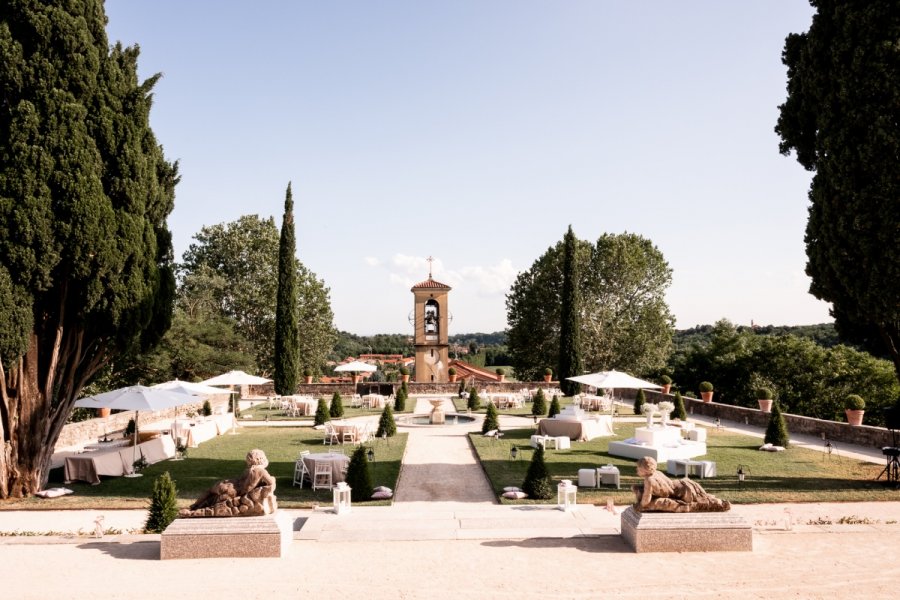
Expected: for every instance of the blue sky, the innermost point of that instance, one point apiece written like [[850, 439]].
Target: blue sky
[[477, 131]]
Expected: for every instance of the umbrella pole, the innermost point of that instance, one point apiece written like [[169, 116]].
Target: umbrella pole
[[233, 412]]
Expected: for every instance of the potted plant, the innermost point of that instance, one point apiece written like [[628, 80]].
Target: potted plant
[[404, 374], [706, 391], [308, 375], [501, 373], [764, 397], [452, 373], [548, 374], [854, 409], [666, 384]]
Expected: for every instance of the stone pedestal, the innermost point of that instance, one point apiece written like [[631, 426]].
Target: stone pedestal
[[238, 537], [686, 532]]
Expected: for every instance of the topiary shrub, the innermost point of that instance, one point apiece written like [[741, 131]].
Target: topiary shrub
[[474, 402], [322, 413], [539, 404], [400, 398], [666, 380], [500, 371], [336, 409], [358, 476], [554, 407], [538, 484], [639, 400], [129, 429], [705, 386], [548, 371], [777, 431], [207, 409], [404, 371], [386, 424], [855, 402], [491, 421], [163, 505], [763, 393], [451, 371], [679, 412]]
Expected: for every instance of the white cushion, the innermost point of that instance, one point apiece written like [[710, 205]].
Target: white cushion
[[515, 495], [512, 488], [381, 495], [382, 488], [53, 492], [490, 433]]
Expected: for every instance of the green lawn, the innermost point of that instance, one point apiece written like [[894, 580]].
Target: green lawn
[[796, 475], [262, 412], [223, 458]]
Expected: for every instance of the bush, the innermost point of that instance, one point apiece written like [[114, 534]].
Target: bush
[[404, 371], [855, 402], [548, 371], [400, 398], [386, 424], [163, 505], [501, 371], [207, 409], [336, 410], [491, 421], [322, 413], [358, 476], [474, 402], [538, 484], [307, 372], [777, 431], [539, 404], [639, 400], [763, 393], [666, 380], [706, 386], [451, 371], [554, 407], [679, 412]]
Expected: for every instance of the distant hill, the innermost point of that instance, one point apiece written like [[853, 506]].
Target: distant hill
[[823, 334]]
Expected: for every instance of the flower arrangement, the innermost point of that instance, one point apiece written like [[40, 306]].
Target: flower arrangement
[[649, 409], [666, 407]]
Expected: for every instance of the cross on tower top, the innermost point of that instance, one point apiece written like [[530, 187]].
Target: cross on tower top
[[430, 260]]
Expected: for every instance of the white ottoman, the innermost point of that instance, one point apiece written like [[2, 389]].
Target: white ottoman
[[563, 442], [697, 435], [587, 478], [608, 475], [538, 441]]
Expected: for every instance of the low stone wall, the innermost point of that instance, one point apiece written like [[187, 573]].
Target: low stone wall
[[328, 389], [863, 435]]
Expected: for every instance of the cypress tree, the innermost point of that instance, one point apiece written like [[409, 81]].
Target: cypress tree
[[554, 407], [474, 402], [491, 422], [207, 409], [538, 484], [777, 431], [679, 412], [639, 400], [163, 505], [287, 333], [386, 424], [400, 398], [539, 404], [358, 477], [570, 363], [86, 262], [336, 410], [322, 413]]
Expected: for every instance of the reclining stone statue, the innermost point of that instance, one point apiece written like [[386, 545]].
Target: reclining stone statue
[[658, 493], [250, 495]]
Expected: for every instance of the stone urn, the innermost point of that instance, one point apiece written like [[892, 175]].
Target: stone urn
[[854, 417], [765, 405]]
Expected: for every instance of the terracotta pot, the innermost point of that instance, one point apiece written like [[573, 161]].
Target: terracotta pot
[[404, 378], [548, 378], [103, 412], [665, 389], [308, 378], [452, 377], [706, 396], [765, 405], [502, 377], [854, 417]]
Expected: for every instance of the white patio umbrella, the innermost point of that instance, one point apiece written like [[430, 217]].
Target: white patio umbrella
[[136, 398], [356, 367], [235, 378], [613, 379], [189, 387]]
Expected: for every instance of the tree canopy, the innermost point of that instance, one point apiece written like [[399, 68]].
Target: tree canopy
[[625, 322], [85, 254], [245, 253], [842, 118]]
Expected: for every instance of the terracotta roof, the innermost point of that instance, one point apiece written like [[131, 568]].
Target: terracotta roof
[[432, 284], [468, 370]]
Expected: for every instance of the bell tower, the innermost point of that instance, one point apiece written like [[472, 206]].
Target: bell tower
[[431, 339]]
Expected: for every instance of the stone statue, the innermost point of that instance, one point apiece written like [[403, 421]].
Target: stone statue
[[658, 493], [250, 495]]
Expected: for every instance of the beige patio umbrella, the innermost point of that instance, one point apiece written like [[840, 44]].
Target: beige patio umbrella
[[232, 378]]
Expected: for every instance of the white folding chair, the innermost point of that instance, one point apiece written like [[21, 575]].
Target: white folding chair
[[322, 476], [331, 436], [301, 473], [348, 434]]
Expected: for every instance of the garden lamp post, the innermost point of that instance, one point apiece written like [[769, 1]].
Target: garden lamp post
[[514, 452], [742, 472], [370, 454]]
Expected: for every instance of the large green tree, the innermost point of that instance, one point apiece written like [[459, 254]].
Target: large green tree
[[625, 322], [85, 254], [570, 363], [245, 253], [287, 335], [842, 118]]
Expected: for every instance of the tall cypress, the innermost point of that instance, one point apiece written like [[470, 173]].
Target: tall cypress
[[570, 363], [287, 335]]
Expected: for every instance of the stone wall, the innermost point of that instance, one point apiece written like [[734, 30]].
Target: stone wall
[[328, 389]]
